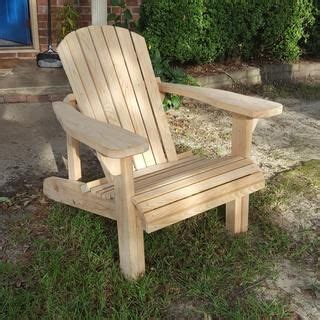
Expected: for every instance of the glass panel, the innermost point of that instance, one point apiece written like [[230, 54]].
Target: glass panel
[[15, 23]]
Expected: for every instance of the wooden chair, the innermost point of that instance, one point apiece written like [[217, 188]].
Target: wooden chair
[[116, 109]]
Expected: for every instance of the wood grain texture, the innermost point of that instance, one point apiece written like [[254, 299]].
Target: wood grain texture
[[69, 192], [154, 94], [233, 102], [242, 129], [73, 148], [121, 87], [191, 206], [98, 135], [141, 93], [74, 161], [147, 186], [130, 231]]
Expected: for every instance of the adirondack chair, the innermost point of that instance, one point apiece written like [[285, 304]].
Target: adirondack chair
[[116, 109]]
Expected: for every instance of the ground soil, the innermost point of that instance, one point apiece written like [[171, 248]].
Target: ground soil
[[279, 144], [33, 147]]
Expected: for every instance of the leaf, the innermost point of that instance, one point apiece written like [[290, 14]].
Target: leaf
[[4, 200], [127, 14], [176, 101], [115, 3], [112, 16]]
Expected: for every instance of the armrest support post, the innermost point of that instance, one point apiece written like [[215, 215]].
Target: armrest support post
[[237, 210], [130, 231], [73, 148], [74, 161], [242, 128]]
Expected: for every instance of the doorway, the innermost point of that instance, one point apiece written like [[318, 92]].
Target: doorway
[[15, 24]]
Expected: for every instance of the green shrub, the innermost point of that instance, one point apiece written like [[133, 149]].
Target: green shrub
[[286, 24], [174, 27], [235, 24], [207, 30], [312, 47], [68, 20]]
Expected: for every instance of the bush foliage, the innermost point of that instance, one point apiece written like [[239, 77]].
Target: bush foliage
[[312, 47], [207, 30]]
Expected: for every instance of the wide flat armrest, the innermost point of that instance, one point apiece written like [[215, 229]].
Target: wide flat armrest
[[109, 140], [233, 102]]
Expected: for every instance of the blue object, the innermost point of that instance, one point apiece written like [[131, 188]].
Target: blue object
[[15, 21]]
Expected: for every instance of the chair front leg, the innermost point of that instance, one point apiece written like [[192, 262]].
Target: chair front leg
[[130, 231], [237, 211]]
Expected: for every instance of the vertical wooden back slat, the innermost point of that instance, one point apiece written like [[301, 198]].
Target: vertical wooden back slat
[[98, 78], [141, 93], [154, 95], [125, 86], [111, 75], [87, 80], [116, 116], [75, 80], [123, 102]]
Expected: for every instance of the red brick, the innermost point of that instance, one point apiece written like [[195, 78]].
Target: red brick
[[56, 97], [38, 98], [85, 20], [4, 55], [15, 98]]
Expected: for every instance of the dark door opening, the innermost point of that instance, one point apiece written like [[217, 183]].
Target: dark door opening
[[15, 27]]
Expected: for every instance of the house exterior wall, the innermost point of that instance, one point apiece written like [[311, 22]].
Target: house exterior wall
[[85, 20]]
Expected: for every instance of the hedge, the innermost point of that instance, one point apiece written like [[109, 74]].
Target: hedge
[[312, 47], [208, 30]]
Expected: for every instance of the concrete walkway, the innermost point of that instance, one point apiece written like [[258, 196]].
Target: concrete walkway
[[33, 146], [26, 78]]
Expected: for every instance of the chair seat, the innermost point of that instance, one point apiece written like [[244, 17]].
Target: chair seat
[[171, 192]]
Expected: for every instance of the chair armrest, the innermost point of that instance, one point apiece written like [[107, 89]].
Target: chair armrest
[[109, 140], [242, 105]]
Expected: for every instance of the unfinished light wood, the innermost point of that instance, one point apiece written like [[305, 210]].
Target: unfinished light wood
[[147, 185], [73, 148], [109, 140], [154, 94], [233, 102], [116, 72], [191, 206], [237, 211], [69, 192], [141, 93], [159, 193], [242, 129], [74, 162], [130, 231]]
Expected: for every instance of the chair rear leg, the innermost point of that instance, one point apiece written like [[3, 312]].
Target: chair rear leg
[[130, 230], [237, 215]]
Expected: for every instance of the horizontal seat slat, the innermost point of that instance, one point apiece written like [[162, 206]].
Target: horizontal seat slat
[[189, 190], [171, 174], [100, 186], [178, 175], [170, 192], [188, 207], [189, 179]]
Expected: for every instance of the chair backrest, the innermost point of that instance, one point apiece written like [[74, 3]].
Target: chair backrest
[[111, 75]]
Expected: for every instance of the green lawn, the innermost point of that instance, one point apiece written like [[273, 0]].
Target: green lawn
[[194, 269]]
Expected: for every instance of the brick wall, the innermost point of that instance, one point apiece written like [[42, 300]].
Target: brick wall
[[85, 19], [134, 6]]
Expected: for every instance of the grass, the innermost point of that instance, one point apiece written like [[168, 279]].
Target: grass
[[193, 268]]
